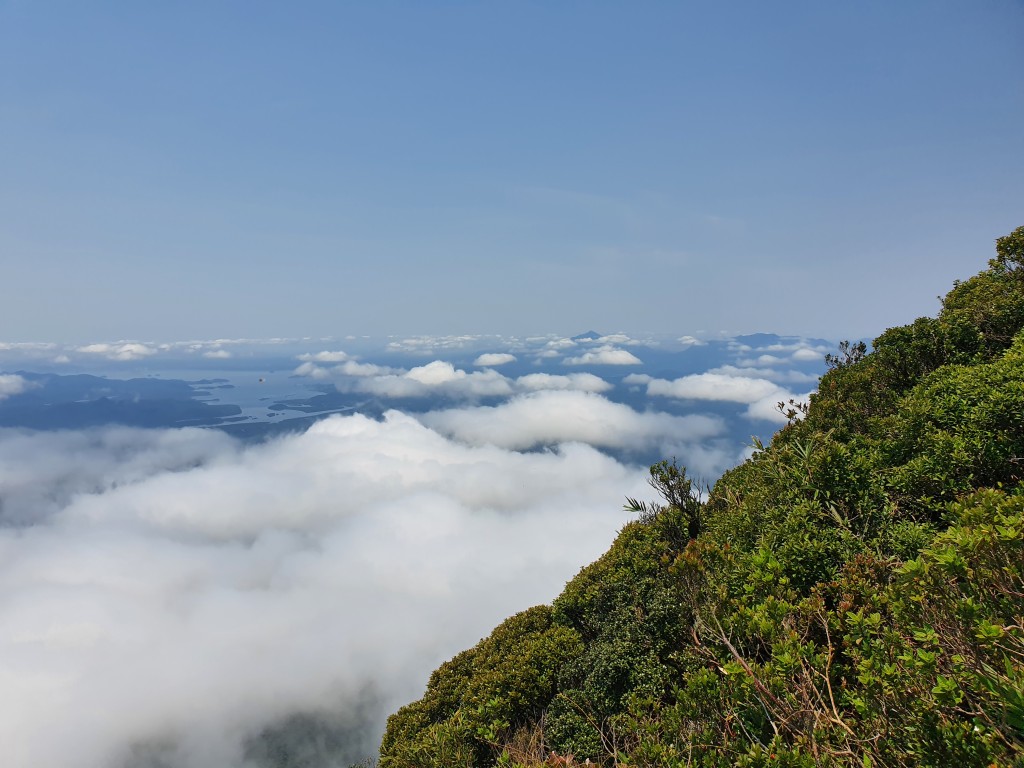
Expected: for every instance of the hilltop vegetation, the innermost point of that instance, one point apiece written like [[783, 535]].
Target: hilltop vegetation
[[852, 595]]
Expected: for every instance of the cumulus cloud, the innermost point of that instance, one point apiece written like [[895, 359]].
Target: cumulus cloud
[[494, 358], [442, 378], [560, 344], [761, 396], [350, 367], [312, 371], [618, 338], [120, 351], [217, 354], [179, 595], [760, 360], [437, 377], [604, 355], [637, 378], [353, 368], [807, 355], [12, 384], [582, 382], [713, 386], [553, 417]]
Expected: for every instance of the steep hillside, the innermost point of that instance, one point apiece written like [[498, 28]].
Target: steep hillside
[[852, 595]]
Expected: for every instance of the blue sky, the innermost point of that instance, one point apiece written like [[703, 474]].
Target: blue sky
[[202, 170]]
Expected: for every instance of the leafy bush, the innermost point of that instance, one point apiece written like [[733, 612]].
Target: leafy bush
[[852, 595]]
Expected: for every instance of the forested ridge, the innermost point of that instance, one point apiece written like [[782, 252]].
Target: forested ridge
[[852, 595]]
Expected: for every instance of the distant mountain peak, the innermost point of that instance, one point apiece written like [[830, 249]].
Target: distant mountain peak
[[587, 336]]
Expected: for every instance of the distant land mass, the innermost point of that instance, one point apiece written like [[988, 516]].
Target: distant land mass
[[255, 391]]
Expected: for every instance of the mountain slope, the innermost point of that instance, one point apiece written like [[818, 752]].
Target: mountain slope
[[853, 596]]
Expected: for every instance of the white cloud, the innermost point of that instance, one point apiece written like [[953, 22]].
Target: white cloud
[[605, 355], [324, 357], [581, 382], [773, 374], [12, 384], [180, 593], [428, 345], [494, 358], [690, 341], [312, 370], [217, 354], [348, 368], [714, 386], [560, 344], [766, 409], [553, 417], [617, 338], [43, 472], [120, 351], [352, 368], [26, 346], [440, 377], [806, 354], [437, 377], [637, 378], [759, 395], [762, 360], [437, 372]]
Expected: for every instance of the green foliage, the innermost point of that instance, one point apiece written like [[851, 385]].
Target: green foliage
[[670, 480], [476, 699], [852, 595]]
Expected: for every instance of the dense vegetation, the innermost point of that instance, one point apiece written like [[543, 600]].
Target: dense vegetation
[[852, 595]]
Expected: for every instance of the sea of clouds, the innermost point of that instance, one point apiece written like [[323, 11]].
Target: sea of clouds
[[168, 595], [177, 598]]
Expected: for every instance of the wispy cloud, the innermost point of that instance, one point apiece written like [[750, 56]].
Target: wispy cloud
[[120, 351], [325, 356]]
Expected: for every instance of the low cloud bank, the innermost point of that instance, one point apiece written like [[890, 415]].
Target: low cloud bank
[[553, 417], [169, 597], [442, 378], [760, 395]]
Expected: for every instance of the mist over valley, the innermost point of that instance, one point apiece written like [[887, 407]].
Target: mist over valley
[[249, 553]]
